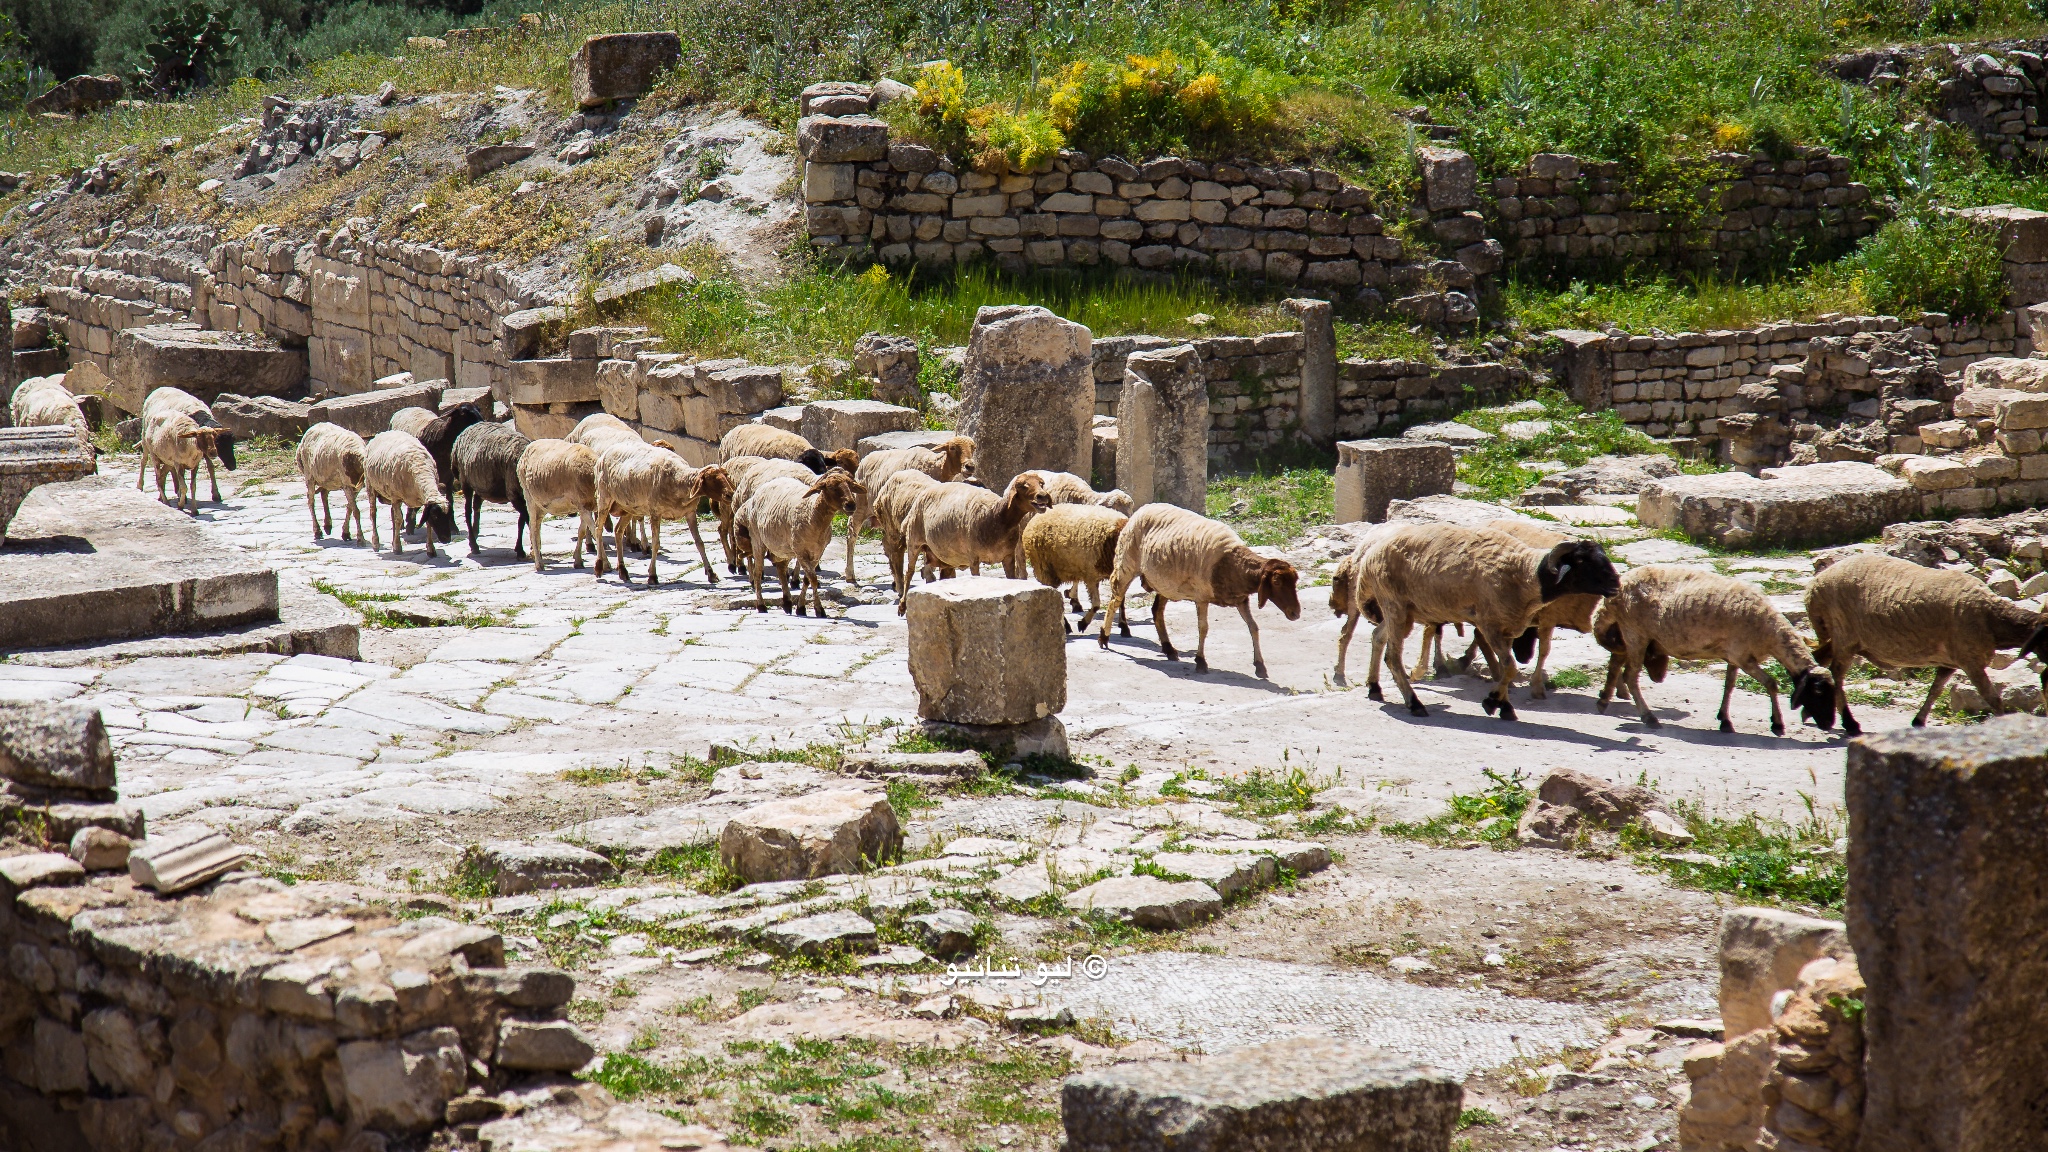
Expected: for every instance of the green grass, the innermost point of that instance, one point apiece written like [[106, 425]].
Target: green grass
[[371, 606], [1677, 304], [1570, 678], [1574, 437], [1273, 507], [1757, 860], [1489, 815]]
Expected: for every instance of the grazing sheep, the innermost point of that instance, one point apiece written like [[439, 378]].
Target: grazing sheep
[[397, 469], [966, 526], [891, 506], [413, 420], [1073, 544], [558, 478], [1663, 612], [1574, 612], [1184, 556], [177, 442], [439, 434], [1439, 573], [486, 468], [1896, 614], [331, 457], [44, 402], [176, 401], [790, 522], [636, 480], [743, 475], [952, 458], [1067, 488]]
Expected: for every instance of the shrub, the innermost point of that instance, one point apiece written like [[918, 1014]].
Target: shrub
[[1932, 263], [1434, 67]]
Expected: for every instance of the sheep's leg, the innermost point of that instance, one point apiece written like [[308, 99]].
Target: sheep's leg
[[315, 512], [1941, 677], [1497, 700], [376, 542], [754, 569], [974, 567], [653, 549], [397, 541], [534, 518], [1159, 622], [597, 564], [1615, 665], [519, 530], [1432, 637], [1539, 681], [1985, 689], [1372, 665], [192, 490], [327, 507], [782, 578], [1728, 690], [1201, 635], [817, 590], [142, 469], [1397, 627], [1839, 669], [855, 521], [1634, 673], [710, 573], [472, 511], [1770, 683], [210, 478], [1251, 625], [427, 534], [1344, 644]]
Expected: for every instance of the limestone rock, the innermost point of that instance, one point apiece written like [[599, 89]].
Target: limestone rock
[[946, 933], [1148, 901], [891, 364], [1299, 1095], [100, 850], [402, 1086], [544, 1046], [1601, 475], [814, 935], [39, 870], [1163, 428], [2018, 687], [515, 867], [483, 161], [1810, 504], [78, 94], [1006, 742], [1549, 825], [832, 425], [841, 139], [621, 66], [2023, 374], [204, 363], [822, 834], [876, 765], [1762, 951], [183, 859], [1610, 805], [1371, 474], [1228, 875], [1027, 394], [537, 988], [55, 744], [246, 416], [368, 413], [1450, 179], [986, 650], [1726, 1109]]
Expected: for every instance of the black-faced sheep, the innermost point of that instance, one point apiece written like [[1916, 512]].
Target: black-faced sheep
[[486, 468], [397, 469], [559, 478], [645, 481], [1574, 612], [1185, 556], [790, 522], [1069, 545], [1067, 488], [966, 526], [1439, 573], [1896, 614], [1665, 612], [776, 444], [439, 433], [331, 457]]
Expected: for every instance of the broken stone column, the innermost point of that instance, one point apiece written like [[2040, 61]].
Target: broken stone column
[[1027, 396], [1948, 831], [1300, 1095], [1318, 368], [835, 832], [184, 859], [1762, 953], [42, 455], [1163, 428], [889, 364], [1373, 473], [56, 744]]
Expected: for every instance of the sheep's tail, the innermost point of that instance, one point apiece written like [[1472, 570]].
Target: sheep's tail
[[352, 467]]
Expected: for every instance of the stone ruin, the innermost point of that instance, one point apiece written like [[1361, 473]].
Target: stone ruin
[[319, 131]]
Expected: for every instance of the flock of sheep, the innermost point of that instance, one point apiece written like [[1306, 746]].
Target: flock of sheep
[[776, 497]]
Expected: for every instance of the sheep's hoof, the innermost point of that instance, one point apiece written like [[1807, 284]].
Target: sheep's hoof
[[1170, 654], [1777, 728], [1728, 725], [1338, 680], [1258, 670], [1601, 704], [1202, 665], [1507, 711], [1489, 704], [1918, 722], [1650, 721], [1373, 692], [1415, 708]]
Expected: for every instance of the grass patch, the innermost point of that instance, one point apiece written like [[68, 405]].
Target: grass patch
[[698, 865], [1273, 507], [1677, 304], [1570, 678], [1489, 815], [1753, 858], [1573, 437]]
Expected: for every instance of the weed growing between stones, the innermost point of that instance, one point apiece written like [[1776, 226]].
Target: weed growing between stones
[[698, 865], [1488, 816], [1573, 437], [1274, 507], [1757, 860]]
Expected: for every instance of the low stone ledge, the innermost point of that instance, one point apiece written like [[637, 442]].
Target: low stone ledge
[[1812, 504]]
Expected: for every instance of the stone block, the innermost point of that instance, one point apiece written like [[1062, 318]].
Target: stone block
[[945, 933], [1027, 394], [831, 425], [515, 867], [20, 873], [599, 343], [1450, 179], [183, 859], [1229, 874], [1318, 367], [826, 183], [101, 850], [1762, 951], [1935, 473], [2023, 412], [1147, 901], [1373, 473], [55, 744], [1163, 428], [841, 139], [817, 935], [882, 765], [246, 416], [985, 650], [1307, 1094], [1948, 831], [745, 389], [889, 441], [31, 457], [2022, 233], [368, 413], [635, 287], [618, 388], [522, 335], [1106, 437], [2006, 372], [402, 1086], [542, 1046], [558, 381], [204, 363], [891, 364], [621, 66], [1812, 504], [834, 832]]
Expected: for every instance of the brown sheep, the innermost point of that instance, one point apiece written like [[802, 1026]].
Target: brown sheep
[[557, 478], [789, 522], [1072, 545], [1185, 556], [892, 506], [951, 459], [966, 526], [641, 480]]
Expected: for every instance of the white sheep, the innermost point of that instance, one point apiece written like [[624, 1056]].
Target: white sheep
[[891, 507], [1440, 573], [331, 457], [1074, 544], [645, 481], [743, 475], [44, 402], [1184, 556], [167, 401], [599, 431], [413, 421], [950, 459], [177, 442], [1067, 488], [1896, 614], [1664, 612], [558, 478], [966, 526], [398, 469], [790, 522]]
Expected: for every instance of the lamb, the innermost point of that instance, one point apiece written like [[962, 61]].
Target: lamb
[[765, 440], [1069, 544], [413, 420], [176, 401], [44, 402], [743, 475], [1184, 556], [892, 506], [966, 526], [397, 469], [1662, 612], [952, 458], [1439, 573], [486, 467], [177, 442], [1574, 612], [1067, 488], [641, 480], [790, 522], [1896, 614], [331, 457], [556, 478]]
